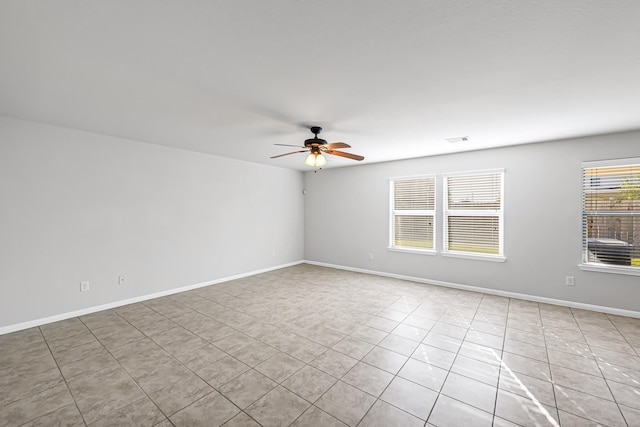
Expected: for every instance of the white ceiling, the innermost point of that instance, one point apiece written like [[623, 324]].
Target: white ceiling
[[391, 78]]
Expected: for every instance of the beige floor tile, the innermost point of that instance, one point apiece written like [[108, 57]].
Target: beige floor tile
[[67, 416], [28, 378], [449, 330], [353, 325], [279, 367], [410, 332], [485, 339], [434, 356], [35, 406], [247, 388], [368, 334], [315, 417], [176, 396], [481, 352], [202, 357], [241, 420], [353, 347], [385, 359], [279, 407], [98, 394], [385, 325], [525, 365], [382, 414], [529, 387], [368, 378], [346, 403], [443, 342], [469, 391], [524, 411], [309, 383], [425, 374], [418, 321], [588, 406], [410, 397], [585, 364], [141, 413], [449, 412], [631, 415], [526, 349], [625, 394], [571, 420], [399, 344], [222, 371], [594, 385], [210, 411], [334, 363]]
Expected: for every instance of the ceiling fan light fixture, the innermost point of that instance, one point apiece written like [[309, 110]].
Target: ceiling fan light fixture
[[315, 160]]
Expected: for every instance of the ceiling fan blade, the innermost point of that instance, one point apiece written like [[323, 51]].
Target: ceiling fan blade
[[286, 154], [343, 154], [336, 145], [289, 145]]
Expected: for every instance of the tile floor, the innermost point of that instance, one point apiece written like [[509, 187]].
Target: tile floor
[[312, 346]]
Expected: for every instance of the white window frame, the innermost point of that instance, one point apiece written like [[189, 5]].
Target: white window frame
[[594, 266], [499, 257], [393, 213]]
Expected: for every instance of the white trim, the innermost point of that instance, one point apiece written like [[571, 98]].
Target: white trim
[[446, 213], [94, 309], [476, 256], [566, 303], [425, 212], [412, 251], [611, 162], [604, 268]]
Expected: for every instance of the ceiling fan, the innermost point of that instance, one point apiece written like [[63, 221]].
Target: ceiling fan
[[317, 147]]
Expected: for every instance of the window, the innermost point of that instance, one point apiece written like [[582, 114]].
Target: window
[[413, 213], [473, 214], [611, 215]]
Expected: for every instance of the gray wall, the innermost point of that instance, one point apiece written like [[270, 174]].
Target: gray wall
[[347, 217], [78, 207]]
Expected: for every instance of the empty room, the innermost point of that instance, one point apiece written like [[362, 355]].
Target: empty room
[[320, 213]]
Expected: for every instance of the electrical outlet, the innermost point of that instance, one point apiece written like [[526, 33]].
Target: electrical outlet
[[84, 286], [370, 256], [570, 281], [122, 280]]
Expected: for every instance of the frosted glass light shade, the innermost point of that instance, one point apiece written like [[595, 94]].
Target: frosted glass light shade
[[315, 160]]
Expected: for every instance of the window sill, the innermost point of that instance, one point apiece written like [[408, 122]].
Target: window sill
[[479, 257], [413, 251], [630, 271]]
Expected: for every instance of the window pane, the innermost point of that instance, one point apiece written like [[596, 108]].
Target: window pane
[[615, 188], [474, 191], [611, 215], [610, 239], [414, 231], [414, 194], [479, 234]]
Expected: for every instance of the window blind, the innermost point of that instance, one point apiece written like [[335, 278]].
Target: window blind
[[611, 213], [412, 213], [474, 213]]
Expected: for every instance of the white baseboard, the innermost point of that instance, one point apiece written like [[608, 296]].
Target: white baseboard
[[566, 303], [89, 310]]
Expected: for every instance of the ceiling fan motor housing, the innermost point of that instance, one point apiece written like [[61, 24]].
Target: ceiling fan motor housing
[[314, 141], [315, 130]]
